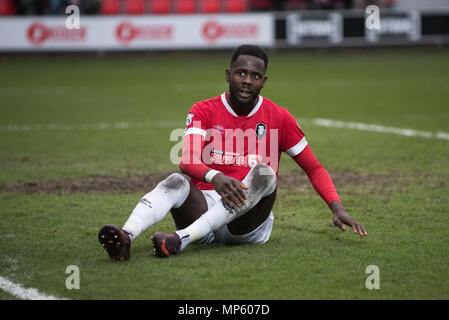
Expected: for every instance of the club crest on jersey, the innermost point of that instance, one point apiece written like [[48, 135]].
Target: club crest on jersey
[[189, 119], [261, 130]]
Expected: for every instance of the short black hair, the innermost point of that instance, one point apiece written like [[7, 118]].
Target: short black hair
[[250, 50]]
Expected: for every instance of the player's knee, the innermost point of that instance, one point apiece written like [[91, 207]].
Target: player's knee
[[177, 187], [175, 181], [263, 177]]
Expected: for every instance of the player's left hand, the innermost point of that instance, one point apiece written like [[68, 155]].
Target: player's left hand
[[230, 189], [341, 218]]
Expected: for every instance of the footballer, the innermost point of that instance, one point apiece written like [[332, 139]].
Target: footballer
[[230, 155]]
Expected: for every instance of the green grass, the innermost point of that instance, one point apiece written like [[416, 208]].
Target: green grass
[[406, 212]]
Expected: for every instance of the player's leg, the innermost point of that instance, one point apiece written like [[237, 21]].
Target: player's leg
[[261, 181], [192, 208], [254, 217], [171, 193], [245, 224]]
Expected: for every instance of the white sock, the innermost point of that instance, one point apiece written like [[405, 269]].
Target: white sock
[[261, 183], [152, 208], [216, 216]]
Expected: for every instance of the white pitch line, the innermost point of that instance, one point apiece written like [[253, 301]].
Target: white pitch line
[[87, 126], [26, 294], [174, 124], [376, 128]]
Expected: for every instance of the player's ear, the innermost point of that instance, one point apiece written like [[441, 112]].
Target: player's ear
[[228, 75], [264, 79]]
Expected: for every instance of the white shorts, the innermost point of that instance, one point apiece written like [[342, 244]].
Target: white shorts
[[259, 235]]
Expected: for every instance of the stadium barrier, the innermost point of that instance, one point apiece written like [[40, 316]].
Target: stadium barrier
[[291, 29], [350, 28], [137, 32]]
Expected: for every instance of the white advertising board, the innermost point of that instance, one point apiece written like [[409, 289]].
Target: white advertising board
[[137, 32]]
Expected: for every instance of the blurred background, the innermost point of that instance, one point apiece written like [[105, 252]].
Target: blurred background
[[21, 7], [111, 25], [24, 7]]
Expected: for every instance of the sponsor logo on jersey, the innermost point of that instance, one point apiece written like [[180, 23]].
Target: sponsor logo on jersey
[[219, 128], [230, 158]]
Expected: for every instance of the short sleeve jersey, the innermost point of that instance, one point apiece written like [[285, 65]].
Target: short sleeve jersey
[[234, 144]]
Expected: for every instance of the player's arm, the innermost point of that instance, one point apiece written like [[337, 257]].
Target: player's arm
[[192, 147], [322, 183], [294, 143], [230, 189]]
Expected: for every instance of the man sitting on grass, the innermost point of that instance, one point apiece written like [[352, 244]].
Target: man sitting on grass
[[231, 150]]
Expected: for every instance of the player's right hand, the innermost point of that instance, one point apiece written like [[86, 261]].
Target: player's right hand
[[230, 189]]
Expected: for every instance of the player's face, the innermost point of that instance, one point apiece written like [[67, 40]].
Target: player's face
[[246, 78]]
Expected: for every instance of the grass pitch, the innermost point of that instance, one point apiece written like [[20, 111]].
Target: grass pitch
[[68, 125]]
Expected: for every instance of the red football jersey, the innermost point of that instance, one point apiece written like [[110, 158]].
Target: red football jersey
[[233, 144]]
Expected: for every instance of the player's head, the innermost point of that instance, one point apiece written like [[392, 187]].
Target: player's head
[[246, 76], [250, 50]]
